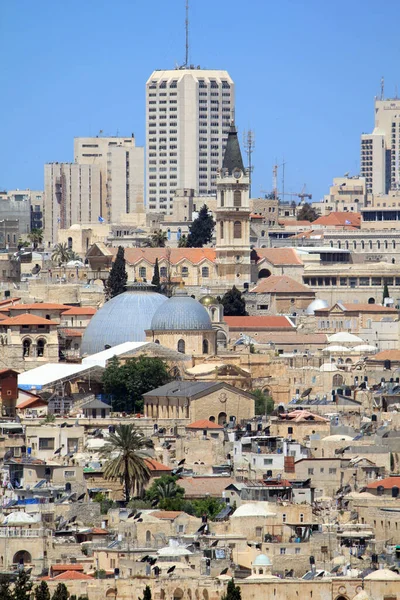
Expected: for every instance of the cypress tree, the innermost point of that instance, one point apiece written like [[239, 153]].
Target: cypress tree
[[156, 277], [61, 592], [385, 293], [201, 229], [146, 593], [5, 591], [42, 591], [116, 282], [23, 586]]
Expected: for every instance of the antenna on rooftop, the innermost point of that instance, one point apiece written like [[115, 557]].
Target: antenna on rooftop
[[187, 34], [382, 88], [249, 144]]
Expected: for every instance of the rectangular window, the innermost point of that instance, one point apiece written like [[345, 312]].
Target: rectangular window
[[268, 461], [69, 474], [332, 471], [311, 471], [46, 444]]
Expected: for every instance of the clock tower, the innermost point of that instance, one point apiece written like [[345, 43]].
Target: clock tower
[[233, 216]]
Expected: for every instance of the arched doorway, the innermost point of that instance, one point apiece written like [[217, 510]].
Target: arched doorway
[[178, 594], [205, 347], [181, 346], [221, 339], [337, 380], [371, 300], [111, 593], [22, 557], [221, 418], [264, 273]]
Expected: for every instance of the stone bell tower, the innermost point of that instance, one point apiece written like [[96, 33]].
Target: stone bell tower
[[233, 216]]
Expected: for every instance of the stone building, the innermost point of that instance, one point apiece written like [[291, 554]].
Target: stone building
[[278, 294], [27, 341]]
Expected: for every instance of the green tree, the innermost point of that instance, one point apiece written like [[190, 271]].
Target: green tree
[[168, 493], [22, 586], [5, 591], [208, 506], [183, 241], [127, 383], [125, 454], [385, 293], [61, 592], [146, 593], [159, 239], [61, 254], [307, 213], [234, 303], [263, 404], [36, 237], [156, 277], [42, 591], [201, 229], [232, 592], [116, 282]]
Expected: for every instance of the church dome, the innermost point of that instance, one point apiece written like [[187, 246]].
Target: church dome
[[262, 560], [316, 304], [208, 300], [181, 313], [122, 319]]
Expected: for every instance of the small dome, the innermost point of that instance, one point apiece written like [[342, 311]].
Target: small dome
[[254, 509], [208, 301], [362, 595], [262, 560], [316, 304], [383, 575], [181, 313], [124, 318]]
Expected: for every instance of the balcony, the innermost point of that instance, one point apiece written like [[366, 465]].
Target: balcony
[[17, 532]]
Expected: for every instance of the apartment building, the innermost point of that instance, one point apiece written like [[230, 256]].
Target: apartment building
[[188, 113], [24, 205], [72, 196], [121, 165]]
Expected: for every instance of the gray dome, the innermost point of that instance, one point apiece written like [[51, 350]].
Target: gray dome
[[316, 304], [122, 319], [181, 313], [262, 560]]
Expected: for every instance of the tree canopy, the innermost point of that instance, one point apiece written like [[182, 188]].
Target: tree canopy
[[62, 254], [126, 383], [22, 586], [232, 592], [307, 213], [125, 453], [116, 282], [158, 239], [42, 591], [234, 303], [201, 229], [156, 277], [167, 492], [61, 592], [36, 237], [263, 404]]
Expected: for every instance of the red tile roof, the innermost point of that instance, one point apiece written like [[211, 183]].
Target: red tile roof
[[98, 531], [80, 310], [9, 301], [175, 255], [31, 402], [204, 424], [278, 256], [67, 567], [71, 332], [154, 465], [387, 483], [198, 487], [387, 355], [294, 223], [71, 575], [369, 308], [40, 306], [26, 319], [280, 284], [267, 322], [339, 219]]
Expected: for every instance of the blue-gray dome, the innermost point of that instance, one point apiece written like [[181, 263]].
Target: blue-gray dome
[[262, 560], [181, 313], [122, 319]]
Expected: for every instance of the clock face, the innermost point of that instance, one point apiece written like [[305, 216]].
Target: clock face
[[237, 173]]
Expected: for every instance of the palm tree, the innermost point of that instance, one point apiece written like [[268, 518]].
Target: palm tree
[[125, 453], [73, 255], [36, 237], [159, 239], [61, 253], [166, 488]]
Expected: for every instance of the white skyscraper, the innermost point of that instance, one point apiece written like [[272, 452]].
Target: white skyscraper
[[380, 150], [188, 113]]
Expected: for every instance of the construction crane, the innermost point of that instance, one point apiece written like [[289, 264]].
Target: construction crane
[[302, 195]]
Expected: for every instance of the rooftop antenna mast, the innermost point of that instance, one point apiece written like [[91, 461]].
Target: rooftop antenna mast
[[187, 34], [249, 145], [382, 88]]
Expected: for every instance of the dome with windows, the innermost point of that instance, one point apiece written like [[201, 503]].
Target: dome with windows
[[124, 318], [181, 313], [262, 560]]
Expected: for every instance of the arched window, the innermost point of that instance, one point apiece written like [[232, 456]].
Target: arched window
[[221, 230], [40, 346], [237, 198], [263, 233], [26, 348], [370, 244], [339, 245], [163, 271], [70, 243], [362, 245], [168, 234], [355, 245], [237, 230], [337, 380], [205, 272], [283, 517], [148, 537], [301, 518], [378, 244], [185, 272], [347, 245], [222, 198], [181, 346], [142, 272], [393, 244], [179, 234], [205, 346], [386, 244]]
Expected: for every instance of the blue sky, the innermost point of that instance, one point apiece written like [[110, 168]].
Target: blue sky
[[306, 74]]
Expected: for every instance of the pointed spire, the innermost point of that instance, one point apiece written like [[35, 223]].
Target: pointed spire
[[232, 157]]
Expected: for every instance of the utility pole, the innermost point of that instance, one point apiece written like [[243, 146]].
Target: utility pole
[[187, 34], [249, 145]]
